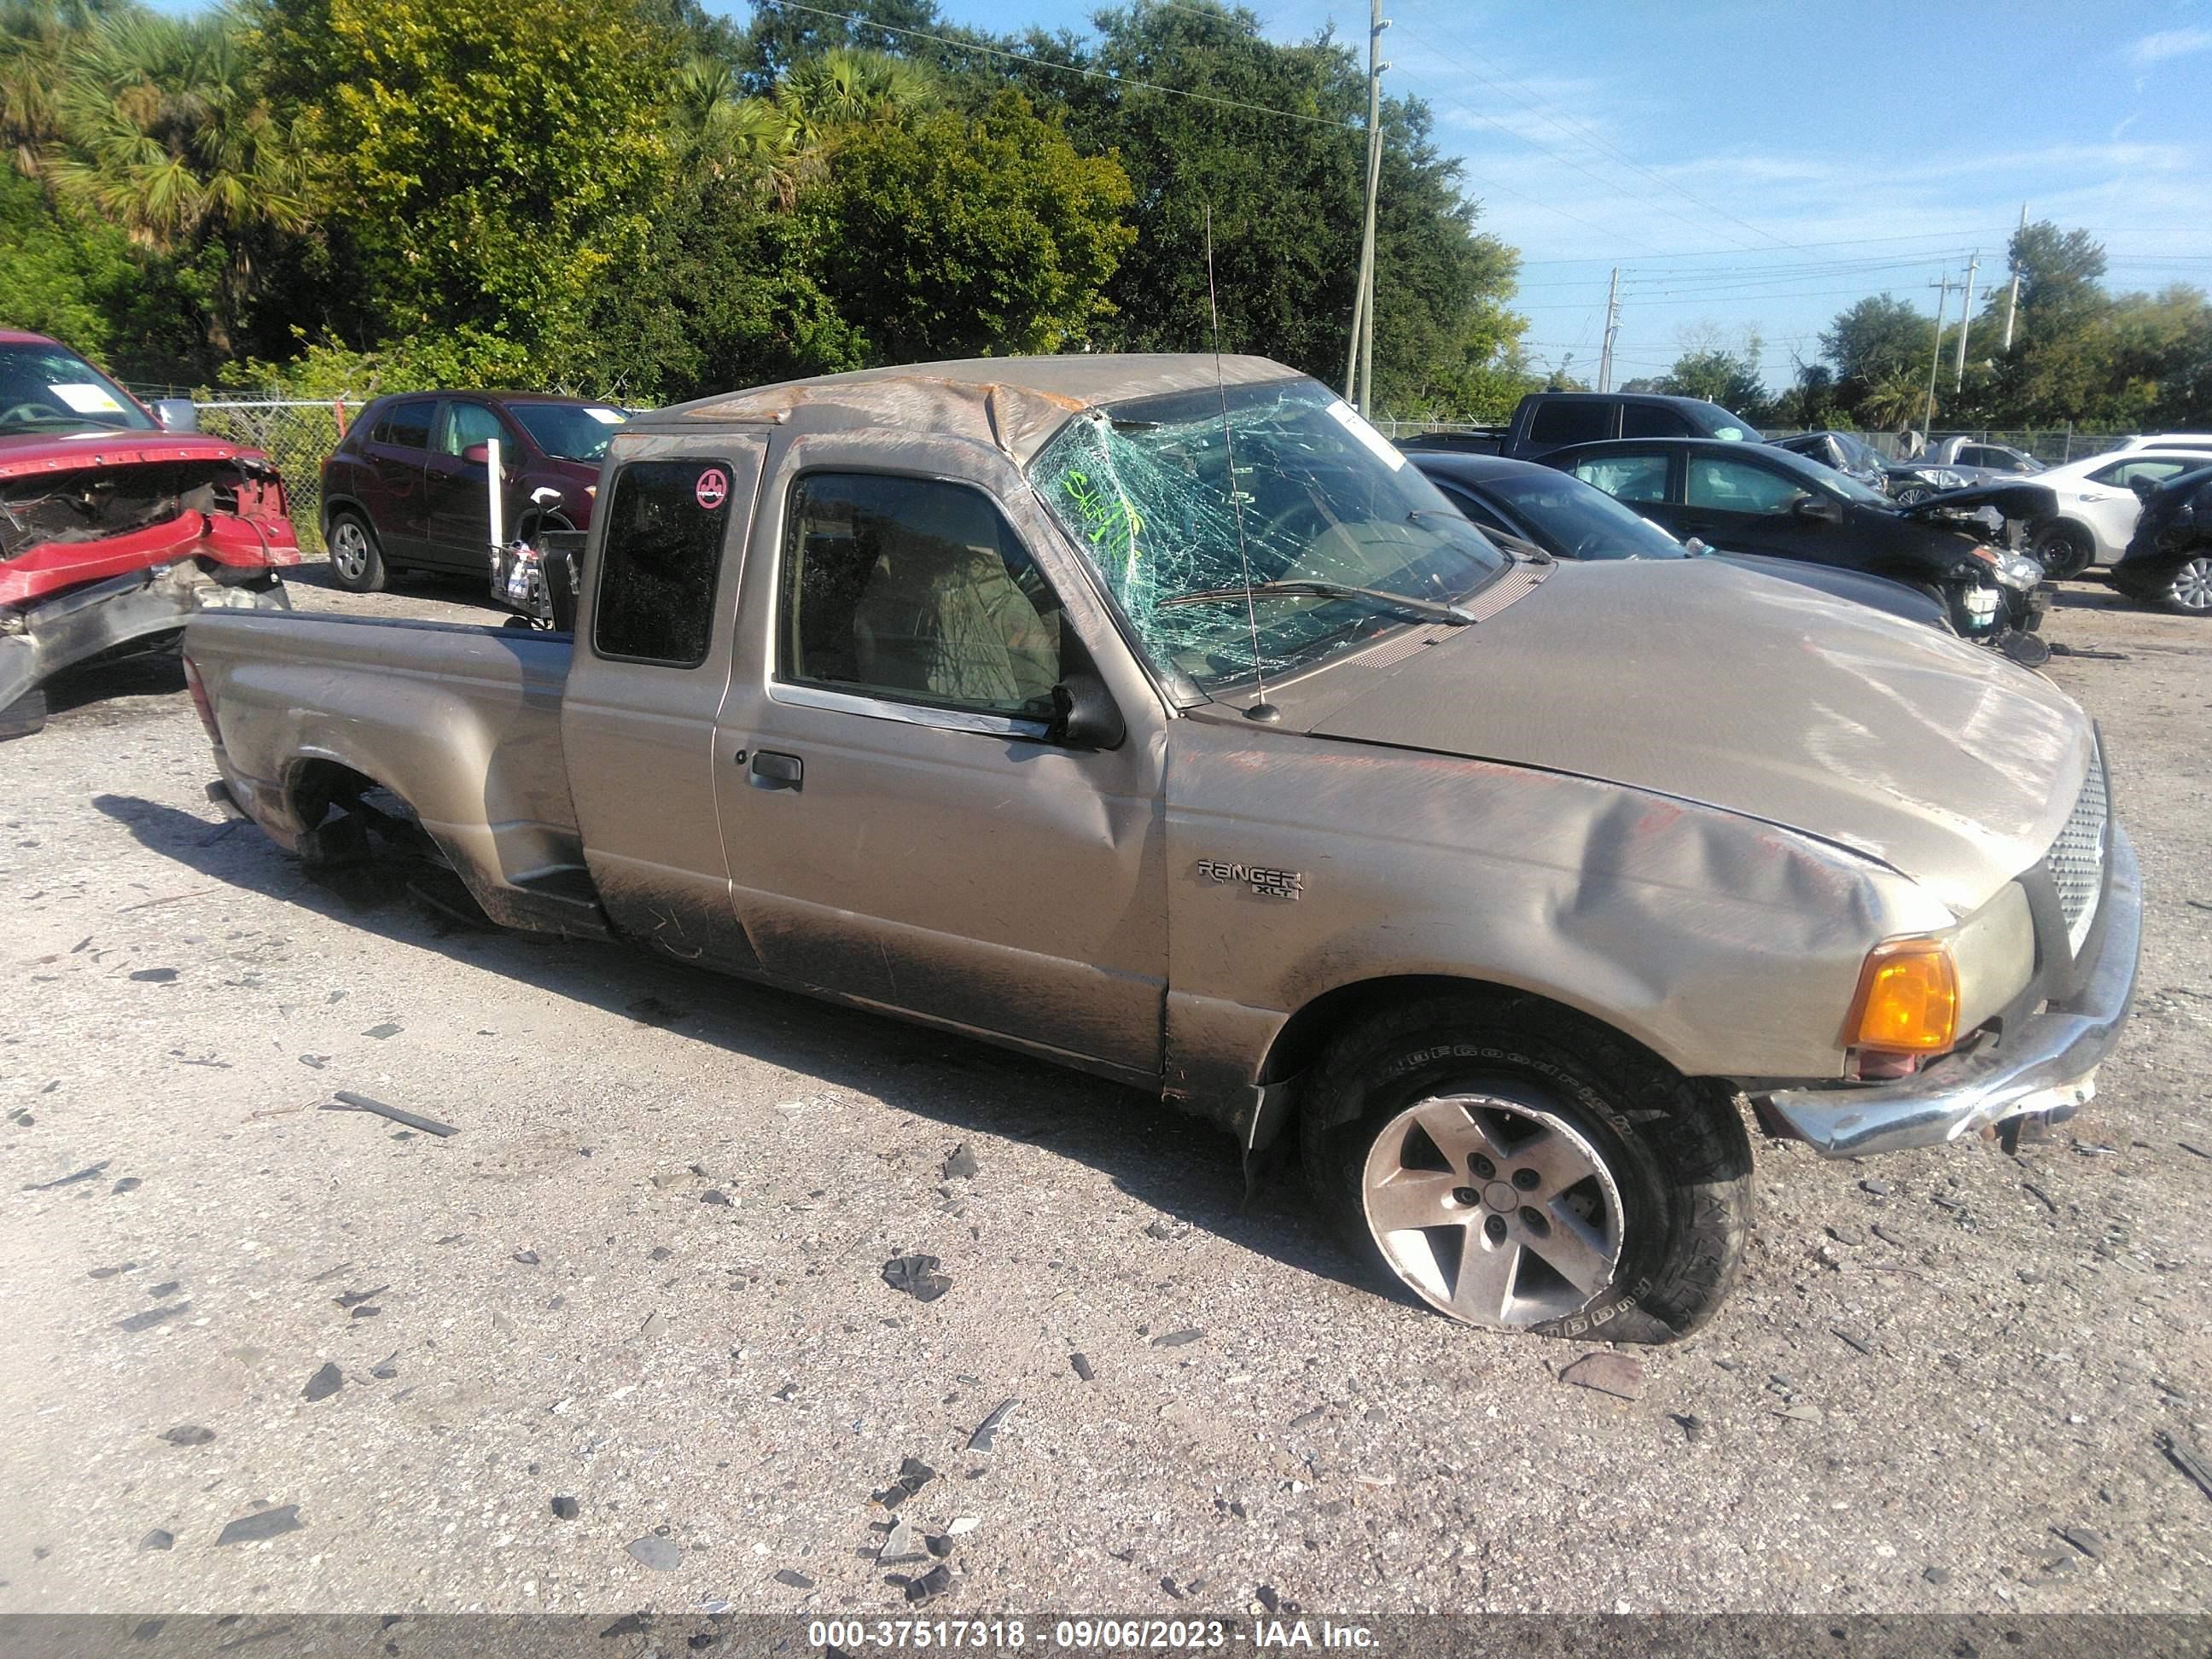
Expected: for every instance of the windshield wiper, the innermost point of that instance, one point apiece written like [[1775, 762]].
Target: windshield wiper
[[1427, 609]]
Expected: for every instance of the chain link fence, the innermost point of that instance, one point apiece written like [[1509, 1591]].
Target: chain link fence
[[297, 434]]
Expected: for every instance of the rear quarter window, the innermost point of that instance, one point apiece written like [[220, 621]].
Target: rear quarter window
[[662, 555], [1567, 423]]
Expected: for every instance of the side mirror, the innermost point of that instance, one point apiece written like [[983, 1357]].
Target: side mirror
[[1083, 715], [478, 455], [1824, 508], [176, 415]]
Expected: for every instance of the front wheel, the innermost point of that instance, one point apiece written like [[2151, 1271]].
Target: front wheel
[[2185, 590], [356, 562], [1913, 494], [1517, 1167], [2064, 551]]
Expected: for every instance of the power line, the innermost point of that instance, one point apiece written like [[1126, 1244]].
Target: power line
[[1067, 69]]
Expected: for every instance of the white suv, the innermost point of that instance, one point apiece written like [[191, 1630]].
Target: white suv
[[2098, 504]]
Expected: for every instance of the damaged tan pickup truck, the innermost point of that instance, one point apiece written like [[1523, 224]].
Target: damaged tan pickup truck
[[1173, 727]]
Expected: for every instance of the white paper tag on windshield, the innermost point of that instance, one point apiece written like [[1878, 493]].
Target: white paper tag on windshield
[[607, 416], [86, 399], [1349, 419]]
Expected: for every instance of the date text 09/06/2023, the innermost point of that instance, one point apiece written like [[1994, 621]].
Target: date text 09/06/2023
[[1093, 1635]]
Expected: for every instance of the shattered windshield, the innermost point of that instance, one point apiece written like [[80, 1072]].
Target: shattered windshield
[[49, 389], [1321, 501]]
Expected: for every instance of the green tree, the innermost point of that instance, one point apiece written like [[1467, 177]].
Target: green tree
[[953, 235], [483, 165], [1873, 344], [1731, 378], [1268, 138], [64, 274]]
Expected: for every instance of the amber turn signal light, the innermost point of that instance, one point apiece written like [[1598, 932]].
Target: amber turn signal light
[[1908, 998]]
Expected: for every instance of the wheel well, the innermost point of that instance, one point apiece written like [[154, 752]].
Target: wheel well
[[345, 505], [1297, 1047], [316, 786]]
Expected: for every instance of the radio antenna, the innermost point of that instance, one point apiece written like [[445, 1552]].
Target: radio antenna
[[1262, 711]]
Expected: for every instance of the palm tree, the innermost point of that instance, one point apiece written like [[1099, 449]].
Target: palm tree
[[849, 88], [1899, 400], [160, 133]]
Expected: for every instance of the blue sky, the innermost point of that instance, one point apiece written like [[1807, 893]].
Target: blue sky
[[1755, 167]]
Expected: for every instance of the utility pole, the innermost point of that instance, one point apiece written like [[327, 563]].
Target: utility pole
[[1935, 357], [1966, 322], [2012, 297], [1612, 327], [1360, 364]]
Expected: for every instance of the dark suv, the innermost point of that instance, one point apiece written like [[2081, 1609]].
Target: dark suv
[[408, 488]]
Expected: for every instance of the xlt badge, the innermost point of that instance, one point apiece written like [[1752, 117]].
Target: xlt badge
[[1267, 883]]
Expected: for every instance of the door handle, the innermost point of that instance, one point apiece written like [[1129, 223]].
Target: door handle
[[769, 770], [441, 475]]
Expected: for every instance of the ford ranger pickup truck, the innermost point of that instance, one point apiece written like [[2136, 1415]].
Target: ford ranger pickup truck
[[115, 528], [1154, 716]]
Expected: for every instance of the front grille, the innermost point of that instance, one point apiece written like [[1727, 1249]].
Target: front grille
[[2077, 857]]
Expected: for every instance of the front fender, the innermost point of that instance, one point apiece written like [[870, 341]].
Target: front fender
[[1728, 946]]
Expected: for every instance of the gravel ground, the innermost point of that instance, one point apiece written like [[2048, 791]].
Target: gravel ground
[[622, 1342]]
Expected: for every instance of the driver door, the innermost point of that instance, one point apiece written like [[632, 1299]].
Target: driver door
[[900, 827]]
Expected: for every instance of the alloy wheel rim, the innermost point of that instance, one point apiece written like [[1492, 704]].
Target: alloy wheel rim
[[1492, 1211], [350, 551], [2192, 585]]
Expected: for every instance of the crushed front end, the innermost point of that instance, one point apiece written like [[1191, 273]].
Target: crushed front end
[[110, 543]]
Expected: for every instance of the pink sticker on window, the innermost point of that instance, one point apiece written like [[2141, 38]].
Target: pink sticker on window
[[713, 487]]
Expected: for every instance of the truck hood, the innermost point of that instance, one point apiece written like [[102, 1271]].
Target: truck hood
[[22, 454], [1710, 684]]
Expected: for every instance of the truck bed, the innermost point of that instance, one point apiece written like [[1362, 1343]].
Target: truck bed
[[461, 722]]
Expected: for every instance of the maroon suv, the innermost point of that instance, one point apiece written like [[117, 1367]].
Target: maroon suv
[[409, 486]]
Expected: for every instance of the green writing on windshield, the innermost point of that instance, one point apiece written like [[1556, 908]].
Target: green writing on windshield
[[1109, 523]]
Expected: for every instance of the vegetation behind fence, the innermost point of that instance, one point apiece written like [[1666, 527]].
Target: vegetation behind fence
[[298, 435]]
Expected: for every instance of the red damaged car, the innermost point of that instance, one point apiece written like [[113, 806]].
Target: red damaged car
[[117, 527]]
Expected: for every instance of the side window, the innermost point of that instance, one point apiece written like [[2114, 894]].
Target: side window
[[667, 521], [468, 424], [2123, 473], [916, 590], [1626, 477], [1571, 423], [407, 425], [1651, 421], [1475, 507], [1734, 486]]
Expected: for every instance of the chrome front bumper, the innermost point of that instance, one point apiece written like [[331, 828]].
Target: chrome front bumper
[[2048, 1066]]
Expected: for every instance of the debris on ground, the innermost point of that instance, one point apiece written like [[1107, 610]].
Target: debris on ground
[[152, 1316], [386, 1368], [961, 1166], [1692, 1425], [914, 1475], [89, 1173], [1800, 1413], [2089, 1543], [564, 1509], [962, 1525], [931, 1585], [325, 1383], [793, 1579], [1849, 1339], [1936, 1575], [347, 1101], [380, 1032], [266, 1524], [354, 1298], [1083, 1371], [155, 976], [903, 1544], [527, 1258], [918, 1276], [158, 1540], [1615, 1374], [128, 1184], [187, 1434], [656, 1324], [1178, 1338], [987, 1430], [2184, 1460], [658, 1554], [1303, 1418]]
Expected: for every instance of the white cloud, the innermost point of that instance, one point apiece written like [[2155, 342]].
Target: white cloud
[[2168, 43]]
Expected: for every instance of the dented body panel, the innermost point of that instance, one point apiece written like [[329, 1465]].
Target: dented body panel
[[1695, 834]]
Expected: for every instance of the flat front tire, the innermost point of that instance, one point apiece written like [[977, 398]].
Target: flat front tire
[[357, 560], [1517, 1167]]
